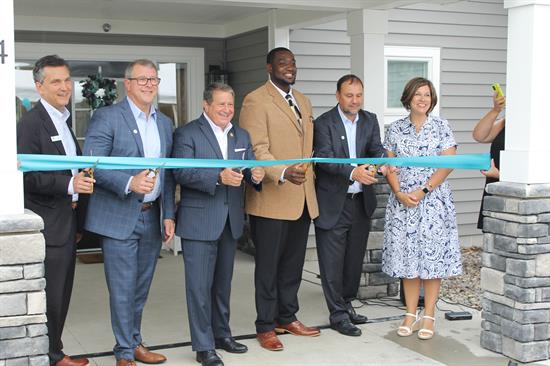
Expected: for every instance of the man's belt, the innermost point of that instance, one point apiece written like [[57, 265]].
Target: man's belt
[[147, 205], [355, 195]]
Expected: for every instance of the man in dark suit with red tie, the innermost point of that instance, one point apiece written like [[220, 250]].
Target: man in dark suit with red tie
[[56, 196], [346, 199]]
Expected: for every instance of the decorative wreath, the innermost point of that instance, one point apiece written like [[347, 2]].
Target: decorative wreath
[[99, 91]]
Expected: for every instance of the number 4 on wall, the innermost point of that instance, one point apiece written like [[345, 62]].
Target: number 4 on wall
[[3, 55]]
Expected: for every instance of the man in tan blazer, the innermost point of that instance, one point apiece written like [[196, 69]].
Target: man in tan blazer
[[280, 123]]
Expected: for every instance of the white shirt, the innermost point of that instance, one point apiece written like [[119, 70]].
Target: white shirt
[[283, 94], [150, 138], [351, 135], [59, 120], [221, 135]]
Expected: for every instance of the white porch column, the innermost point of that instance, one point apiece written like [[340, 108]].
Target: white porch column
[[367, 30], [278, 36], [11, 184], [527, 153]]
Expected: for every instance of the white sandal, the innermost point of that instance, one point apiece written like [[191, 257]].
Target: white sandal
[[424, 333], [405, 330]]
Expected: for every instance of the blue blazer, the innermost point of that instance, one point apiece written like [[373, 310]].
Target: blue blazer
[[206, 205], [113, 131]]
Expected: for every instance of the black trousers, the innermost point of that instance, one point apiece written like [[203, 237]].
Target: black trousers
[[280, 253], [59, 267], [341, 251]]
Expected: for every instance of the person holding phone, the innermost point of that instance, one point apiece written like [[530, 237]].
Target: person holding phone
[[490, 129]]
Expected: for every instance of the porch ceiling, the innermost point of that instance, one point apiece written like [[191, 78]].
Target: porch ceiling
[[211, 12]]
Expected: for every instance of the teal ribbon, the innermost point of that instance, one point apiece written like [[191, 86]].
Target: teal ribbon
[[37, 162]]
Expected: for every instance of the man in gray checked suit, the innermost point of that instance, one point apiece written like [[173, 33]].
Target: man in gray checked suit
[[211, 219], [128, 205]]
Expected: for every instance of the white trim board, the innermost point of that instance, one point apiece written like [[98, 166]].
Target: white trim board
[[430, 54], [192, 57]]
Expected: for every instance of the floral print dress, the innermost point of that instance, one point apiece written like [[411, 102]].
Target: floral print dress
[[421, 241]]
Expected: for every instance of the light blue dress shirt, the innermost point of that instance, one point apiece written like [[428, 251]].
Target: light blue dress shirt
[[351, 137], [149, 133]]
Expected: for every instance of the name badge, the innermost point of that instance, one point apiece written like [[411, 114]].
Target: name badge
[[56, 138], [239, 150]]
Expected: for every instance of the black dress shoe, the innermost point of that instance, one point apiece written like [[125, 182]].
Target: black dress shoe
[[209, 358], [356, 318], [346, 328], [230, 345]]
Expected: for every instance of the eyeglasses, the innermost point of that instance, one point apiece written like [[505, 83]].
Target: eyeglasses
[[144, 81]]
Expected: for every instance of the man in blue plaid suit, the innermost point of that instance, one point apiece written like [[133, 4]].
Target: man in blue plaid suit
[[130, 206]]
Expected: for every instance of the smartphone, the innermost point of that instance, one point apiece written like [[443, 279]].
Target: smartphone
[[496, 87]]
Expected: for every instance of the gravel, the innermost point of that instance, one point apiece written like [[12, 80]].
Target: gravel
[[465, 289]]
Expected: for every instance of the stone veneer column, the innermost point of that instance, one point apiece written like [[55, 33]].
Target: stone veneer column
[[515, 274], [23, 339], [375, 283]]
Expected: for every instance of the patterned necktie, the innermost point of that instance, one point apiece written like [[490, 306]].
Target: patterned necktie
[[294, 107]]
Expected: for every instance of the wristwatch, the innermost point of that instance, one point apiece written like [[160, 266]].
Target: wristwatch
[[427, 188]]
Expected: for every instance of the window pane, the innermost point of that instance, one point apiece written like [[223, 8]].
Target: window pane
[[25, 91], [82, 112], [399, 73]]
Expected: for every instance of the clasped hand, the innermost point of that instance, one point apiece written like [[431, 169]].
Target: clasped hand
[[364, 175], [296, 173], [230, 177], [83, 183], [143, 182], [411, 199], [258, 174]]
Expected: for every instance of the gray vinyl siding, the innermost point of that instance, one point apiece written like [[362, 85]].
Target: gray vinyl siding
[[245, 61], [472, 36]]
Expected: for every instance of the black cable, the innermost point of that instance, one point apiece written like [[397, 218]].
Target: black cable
[[240, 337]]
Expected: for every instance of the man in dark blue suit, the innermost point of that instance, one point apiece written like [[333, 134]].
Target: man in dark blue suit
[[346, 199], [211, 219], [128, 206]]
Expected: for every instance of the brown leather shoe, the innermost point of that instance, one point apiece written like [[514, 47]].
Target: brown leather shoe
[[297, 328], [269, 341], [67, 361], [123, 362], [142, 354]]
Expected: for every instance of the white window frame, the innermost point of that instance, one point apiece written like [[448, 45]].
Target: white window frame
[[404, 53]]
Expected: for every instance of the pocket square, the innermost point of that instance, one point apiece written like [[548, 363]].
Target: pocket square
[[239, 150]]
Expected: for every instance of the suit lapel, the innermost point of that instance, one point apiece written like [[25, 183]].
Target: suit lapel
[[132, 125], [231, 143], [162, 133], [77, 146], [50, 128], [361, 138], [209, 134], [338, 126], [283, 105]]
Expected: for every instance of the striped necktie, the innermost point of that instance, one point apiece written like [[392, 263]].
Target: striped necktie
[[294, 107]]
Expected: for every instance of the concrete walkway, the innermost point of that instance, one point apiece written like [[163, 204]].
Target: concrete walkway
[[165, 326]]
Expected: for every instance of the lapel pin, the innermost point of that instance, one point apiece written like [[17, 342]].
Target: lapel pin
[[230, 134], [343, 137], [135, 131]]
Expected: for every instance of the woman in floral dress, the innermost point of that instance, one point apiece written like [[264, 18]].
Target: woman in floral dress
[[420, 238]]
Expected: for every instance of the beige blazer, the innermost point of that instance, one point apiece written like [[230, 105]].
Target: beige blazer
[[276, 134]]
